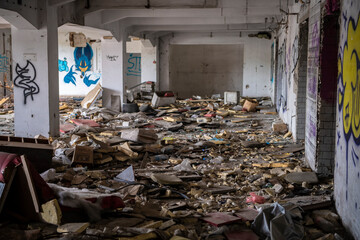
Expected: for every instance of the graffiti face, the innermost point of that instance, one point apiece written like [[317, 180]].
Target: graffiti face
[[83, 56], [349, 97], [82, 66]]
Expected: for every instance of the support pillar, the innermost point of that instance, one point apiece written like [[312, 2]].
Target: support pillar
[[35, 77], [113, 55], [149, 62]]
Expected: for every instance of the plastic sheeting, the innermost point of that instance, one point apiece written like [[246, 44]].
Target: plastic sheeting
[[278, 222]]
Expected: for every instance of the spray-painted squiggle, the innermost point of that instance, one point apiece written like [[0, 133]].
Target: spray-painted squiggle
[[26, 79]]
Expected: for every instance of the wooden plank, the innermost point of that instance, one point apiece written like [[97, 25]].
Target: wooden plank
[[219, 219], [30, 184], [83, 154], [144, 160], [26, 145]]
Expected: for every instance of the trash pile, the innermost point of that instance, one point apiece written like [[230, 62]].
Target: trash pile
[[192, 169], [6, 116]]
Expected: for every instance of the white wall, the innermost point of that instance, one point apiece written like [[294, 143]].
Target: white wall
[[148, 63], [347, 164], [113, 73], [32, 117], [257, 55], [133, 69], [285, 84], [66, 53]]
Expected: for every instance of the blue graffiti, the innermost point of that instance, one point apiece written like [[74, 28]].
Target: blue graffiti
[[135, 66], [88, 82], [63, 65], [83, 56], [4, 63], [69, 78]]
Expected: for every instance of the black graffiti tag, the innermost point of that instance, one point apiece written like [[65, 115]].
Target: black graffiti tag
[[26, 79]]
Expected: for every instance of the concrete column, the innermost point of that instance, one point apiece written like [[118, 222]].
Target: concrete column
[[149, 62], [35, 76], [113, 62]]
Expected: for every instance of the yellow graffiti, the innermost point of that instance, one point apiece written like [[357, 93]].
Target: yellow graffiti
[[83, 68], [350, 97]]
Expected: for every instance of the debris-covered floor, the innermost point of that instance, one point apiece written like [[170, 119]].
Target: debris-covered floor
[[194, 170]]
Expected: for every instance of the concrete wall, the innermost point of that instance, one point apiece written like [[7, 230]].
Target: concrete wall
[[72, 81], [257, 55], [30, 98], [286, 82], [347, 170], [301, 72], [205, 69], [327, 92], [5, 62], [113, 73], [148, 63], [132, 69], [80, 85], [311, 128]]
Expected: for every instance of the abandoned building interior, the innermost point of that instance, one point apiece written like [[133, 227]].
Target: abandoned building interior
[[169, 119]]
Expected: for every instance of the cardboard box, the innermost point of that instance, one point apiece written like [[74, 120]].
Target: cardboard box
[[249, 106], [161, 99], [231, 97]]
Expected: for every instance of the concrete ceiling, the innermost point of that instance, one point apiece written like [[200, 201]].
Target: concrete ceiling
[[139, 17], [187, 15], [90, 32]]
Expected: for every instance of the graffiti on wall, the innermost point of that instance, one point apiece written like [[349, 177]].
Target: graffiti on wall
[[69, 77], [63, 65], [83, 57], [313, 62], [282, 79], [26, 79], [112, 58], [288, 64], [82, 67], [134, 68], [272, 64], [349, 92], [295, 53], [4, 63], [88, 82]]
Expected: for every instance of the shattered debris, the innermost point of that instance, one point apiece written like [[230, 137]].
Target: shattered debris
[[186, 169]]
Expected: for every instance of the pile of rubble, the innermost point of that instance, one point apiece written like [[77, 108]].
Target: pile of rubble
[[195, 169]]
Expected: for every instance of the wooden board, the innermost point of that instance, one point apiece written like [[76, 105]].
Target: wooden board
[[219, 219], [83, 154], [30, 184], [91, 97]]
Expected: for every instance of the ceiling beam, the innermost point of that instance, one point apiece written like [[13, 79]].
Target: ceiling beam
[[58, 3], [108, 16], [95, 5]]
